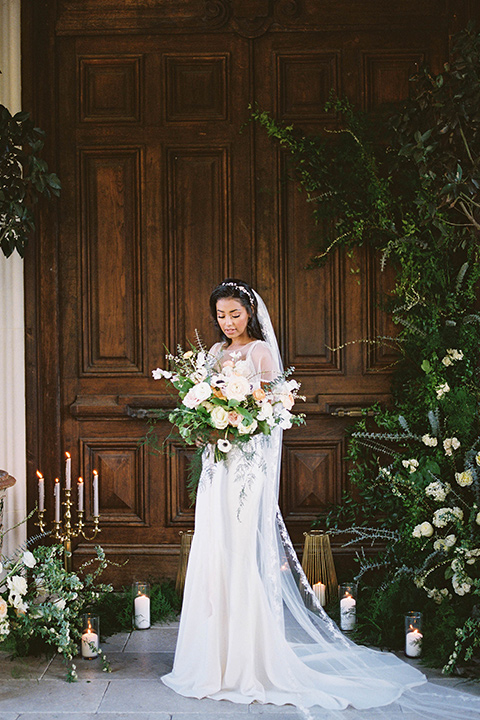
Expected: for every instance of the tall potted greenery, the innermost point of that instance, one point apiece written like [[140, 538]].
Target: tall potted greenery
[[407, 186], [24, 177]]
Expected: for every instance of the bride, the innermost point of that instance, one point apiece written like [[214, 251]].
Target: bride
[[251, 629]]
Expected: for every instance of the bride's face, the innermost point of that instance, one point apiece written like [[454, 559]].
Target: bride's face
[[233, 318]]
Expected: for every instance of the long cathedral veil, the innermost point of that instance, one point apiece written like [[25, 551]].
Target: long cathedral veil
[[364, 677]]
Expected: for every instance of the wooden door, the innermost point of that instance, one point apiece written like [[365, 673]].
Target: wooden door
[[166, 190]]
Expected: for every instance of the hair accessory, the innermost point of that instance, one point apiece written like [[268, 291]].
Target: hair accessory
[[241, 288]]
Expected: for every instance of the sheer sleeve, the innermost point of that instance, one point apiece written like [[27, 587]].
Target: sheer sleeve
[[264, 362]]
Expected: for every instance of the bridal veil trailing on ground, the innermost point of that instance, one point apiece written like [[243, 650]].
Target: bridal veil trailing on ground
[[251, 627]]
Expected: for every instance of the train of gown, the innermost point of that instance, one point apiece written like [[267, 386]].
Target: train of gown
[[246, 633]]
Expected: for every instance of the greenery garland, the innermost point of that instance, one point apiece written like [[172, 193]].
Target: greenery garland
[[406, 186]]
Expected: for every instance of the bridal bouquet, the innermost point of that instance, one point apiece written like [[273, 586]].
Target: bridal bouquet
[[220, 405]]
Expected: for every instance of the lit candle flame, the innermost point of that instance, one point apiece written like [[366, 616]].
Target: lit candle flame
[[80, 480], [95, 472], [39, 475], [57, 480], [67, 455]]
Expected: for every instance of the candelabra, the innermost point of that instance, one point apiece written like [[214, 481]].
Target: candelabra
[[63, 528], [64, 531]]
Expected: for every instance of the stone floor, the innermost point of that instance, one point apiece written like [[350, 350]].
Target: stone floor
[[35, 688]]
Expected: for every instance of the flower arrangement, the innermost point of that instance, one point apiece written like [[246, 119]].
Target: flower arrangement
[[406, 186], [41, 603], [221, 405]]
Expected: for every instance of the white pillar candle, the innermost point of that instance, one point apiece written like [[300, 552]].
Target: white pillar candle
[[95, 494], [319, 590], [68, 471], [89, 643], [142, 612], [41, 491], [347, 612], [413, 643], [56, 494], [80, 488]]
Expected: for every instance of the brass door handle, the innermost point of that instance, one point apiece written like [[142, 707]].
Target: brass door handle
[[351, 412]]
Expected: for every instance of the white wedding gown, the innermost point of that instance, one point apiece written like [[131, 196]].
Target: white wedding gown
[[252, 630]]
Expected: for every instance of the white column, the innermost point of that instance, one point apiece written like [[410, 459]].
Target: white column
[[12, 323]]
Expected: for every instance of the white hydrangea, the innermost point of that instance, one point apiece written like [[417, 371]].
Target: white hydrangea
[[465, 478], [429, 440], [438, 490], [411, 464], [443, 516]]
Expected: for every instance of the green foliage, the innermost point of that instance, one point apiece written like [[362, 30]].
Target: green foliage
[[41, 611], [407, 186], [24, 177], [115, 609]]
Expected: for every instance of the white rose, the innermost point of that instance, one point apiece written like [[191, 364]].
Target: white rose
[[17, 585], [237, 388], [447, 361], [197, 394], [426, 529], [450, 541], [266, 411], [455, 443], [29, 559], [3, 608], [477, 519], [464, 479], [416, 532], [219, 417], [247, 429]]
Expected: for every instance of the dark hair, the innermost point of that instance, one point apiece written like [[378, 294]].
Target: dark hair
[[241, 291]]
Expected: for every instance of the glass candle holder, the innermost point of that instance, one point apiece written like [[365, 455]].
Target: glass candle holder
[[141, 605], [348, 606], [90, 636], [413, 634]]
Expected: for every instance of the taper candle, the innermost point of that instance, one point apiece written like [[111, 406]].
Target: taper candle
[[56, 494], [80, 488], [95, 494], [41, 492], [68, 471]]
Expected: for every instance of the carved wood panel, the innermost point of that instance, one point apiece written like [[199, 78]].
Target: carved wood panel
[[112, 337], [166, 190]]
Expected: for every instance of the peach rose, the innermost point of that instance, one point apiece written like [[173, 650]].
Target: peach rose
[[234, 418], [259, 394]]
